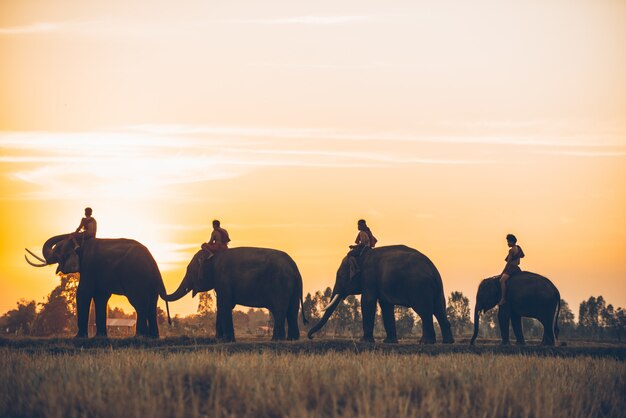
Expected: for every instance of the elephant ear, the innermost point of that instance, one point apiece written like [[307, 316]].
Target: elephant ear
[[354, 267]]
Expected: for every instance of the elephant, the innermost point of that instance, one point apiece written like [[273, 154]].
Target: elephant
[[108, 266], [527, 295], [248, 276], [392, 275]]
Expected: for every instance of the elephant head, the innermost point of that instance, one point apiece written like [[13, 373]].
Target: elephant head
[[58, 249], [198, 278], [346, 283], [487, 297]]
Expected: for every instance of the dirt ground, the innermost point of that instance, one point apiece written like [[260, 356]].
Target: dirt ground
[[317, 346]]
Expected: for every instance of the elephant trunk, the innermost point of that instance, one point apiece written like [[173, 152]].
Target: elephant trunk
[[182, 290], [47, 248], [327, 313], [476, 323]]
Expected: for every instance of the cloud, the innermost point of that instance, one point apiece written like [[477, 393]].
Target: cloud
[[306, 20], [586, 154], [35, 28], [144, 161], [470, 134]]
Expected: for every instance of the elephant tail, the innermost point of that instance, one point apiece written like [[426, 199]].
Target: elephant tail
[[167, 308], [304, 320], [163, 295], [556, 319]]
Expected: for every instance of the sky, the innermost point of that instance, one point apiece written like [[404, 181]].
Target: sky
[[446, 125]]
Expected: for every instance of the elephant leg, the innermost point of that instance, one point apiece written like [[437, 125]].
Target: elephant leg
[[151, 315], [293, 330], [141, 329], [503, 320], [100, 302], [548, 330], [389, 321], [219, 331], [516, 322], [225, 313], [368, 309], [444, 324], [428, 329], [279, 325], [83, 303]]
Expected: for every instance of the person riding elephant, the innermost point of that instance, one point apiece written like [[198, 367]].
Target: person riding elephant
[[254, 277], [108, 266], [86, 229], [364, 241], [512, 265], [218, 241], [528, 295], [389, 276]]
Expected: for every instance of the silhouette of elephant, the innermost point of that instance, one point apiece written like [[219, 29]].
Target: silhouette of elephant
[[392, 275], [108, 266], [527, 295], [254, 277]]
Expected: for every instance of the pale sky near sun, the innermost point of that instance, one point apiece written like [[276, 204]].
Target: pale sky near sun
[[446, 125]]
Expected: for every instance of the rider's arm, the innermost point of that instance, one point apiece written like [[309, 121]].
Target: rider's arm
[[81, 225]]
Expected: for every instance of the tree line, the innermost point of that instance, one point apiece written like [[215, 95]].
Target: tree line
[[597, 319]]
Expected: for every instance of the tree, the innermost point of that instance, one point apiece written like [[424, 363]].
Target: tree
[[56, 314], [356, 324], [404, 321], [590, 319], [206, 303], [308, 307], [566, 319], [458, 312], [621, 323], [20, 320], [489, 324]]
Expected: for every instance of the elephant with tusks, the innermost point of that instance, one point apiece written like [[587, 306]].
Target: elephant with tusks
[[108, 266], [389, 276]]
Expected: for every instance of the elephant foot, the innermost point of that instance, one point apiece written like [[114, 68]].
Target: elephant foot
[[520, 343], [80, 335], [390, 340], [449, 340], [505, 343], [425, 340], [225, 339], [367, 339], [293, 338]]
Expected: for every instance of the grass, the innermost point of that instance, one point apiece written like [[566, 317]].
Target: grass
[[217, 381]]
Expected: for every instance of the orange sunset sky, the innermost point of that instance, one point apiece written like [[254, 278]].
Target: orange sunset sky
[[446, 125]]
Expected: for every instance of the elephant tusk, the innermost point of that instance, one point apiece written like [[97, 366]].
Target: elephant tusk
[[36, 256], [33, 264], [332, 302]]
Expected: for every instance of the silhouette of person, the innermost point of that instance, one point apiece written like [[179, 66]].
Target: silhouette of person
[[218, 241], [512, 264], [364, 239], [86, 230]]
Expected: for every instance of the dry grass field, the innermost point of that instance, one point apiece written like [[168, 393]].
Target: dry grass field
[[130, 378]]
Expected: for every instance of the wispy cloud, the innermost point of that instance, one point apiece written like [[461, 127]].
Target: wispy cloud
[[149, 160], [470, 134], [34, 28], [306, 20]]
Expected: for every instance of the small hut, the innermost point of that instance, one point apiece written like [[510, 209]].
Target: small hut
[[121, 327]]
